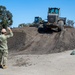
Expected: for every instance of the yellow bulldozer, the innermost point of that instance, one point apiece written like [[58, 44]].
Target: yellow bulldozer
[[53, 21]]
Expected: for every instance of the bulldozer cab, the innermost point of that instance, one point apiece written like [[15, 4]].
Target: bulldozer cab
[[37, 19], [53, 15], [53, 11]]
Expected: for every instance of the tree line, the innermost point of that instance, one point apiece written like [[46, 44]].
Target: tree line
[[6, 20], [68, 23]]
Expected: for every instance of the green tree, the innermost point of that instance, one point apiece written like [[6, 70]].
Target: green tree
[[5, 17], [70, 23], [22, 25]]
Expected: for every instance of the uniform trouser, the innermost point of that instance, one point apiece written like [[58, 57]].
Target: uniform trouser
[[3, 58]]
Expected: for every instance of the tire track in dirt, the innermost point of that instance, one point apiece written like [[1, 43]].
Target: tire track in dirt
[[27, 40]]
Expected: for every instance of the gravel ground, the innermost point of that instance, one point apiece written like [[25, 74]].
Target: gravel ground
[[34, 53], [47, 64]]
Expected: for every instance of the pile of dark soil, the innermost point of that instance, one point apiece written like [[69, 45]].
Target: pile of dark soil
[[28, 40]]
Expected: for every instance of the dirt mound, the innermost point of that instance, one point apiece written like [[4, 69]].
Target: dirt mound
[[27, 40]]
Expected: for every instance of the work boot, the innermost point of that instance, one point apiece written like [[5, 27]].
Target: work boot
[[1, 66], [4, 66]]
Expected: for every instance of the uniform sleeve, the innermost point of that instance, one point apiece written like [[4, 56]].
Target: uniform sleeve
[[0, 38], [10, 34]]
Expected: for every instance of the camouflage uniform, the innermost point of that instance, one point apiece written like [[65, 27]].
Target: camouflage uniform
[[4, 48]]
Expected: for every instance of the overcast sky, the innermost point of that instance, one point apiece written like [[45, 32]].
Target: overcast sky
[[24, 11]]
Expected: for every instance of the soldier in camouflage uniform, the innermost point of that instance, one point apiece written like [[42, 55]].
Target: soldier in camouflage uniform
[[4, 47]]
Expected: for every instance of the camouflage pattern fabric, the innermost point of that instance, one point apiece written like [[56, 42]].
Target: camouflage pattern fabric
[[4, 48], [0, 57], [3, 58]]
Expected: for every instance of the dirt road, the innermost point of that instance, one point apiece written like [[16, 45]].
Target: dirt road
[[47, 64]]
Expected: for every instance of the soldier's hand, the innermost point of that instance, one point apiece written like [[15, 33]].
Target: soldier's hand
[[9, 28]]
